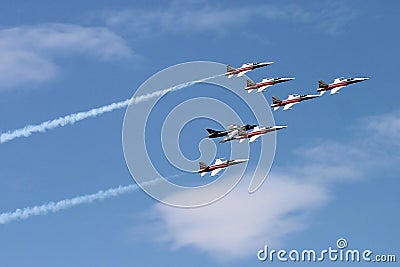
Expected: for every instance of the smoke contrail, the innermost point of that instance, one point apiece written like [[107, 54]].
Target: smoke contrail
[[25, 213], [52, 207], [75, 117]]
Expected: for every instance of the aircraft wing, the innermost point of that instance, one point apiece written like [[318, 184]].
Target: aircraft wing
[[253, 138], [335, 90], [262, 88], [218, 161], [240, 74], [241, 131], [232, 133], [215, 172], [337, 80], [288, 106]]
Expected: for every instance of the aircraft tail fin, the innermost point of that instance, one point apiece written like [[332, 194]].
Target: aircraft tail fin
[[211, 131], [276, 100], [322, 84], [202, 165], [250, 82], [229, 68]]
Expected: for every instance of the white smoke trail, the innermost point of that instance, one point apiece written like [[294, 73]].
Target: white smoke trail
[[75, 117], [53, 207], [25, 213]]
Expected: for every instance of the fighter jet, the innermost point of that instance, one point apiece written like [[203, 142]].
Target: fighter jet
[[290, 101], [231, 71], [232, 130], [261, 86], [337, 84], [218, 166], [253, 135]]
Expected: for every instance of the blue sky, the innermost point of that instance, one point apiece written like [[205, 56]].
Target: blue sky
[[335, 172]]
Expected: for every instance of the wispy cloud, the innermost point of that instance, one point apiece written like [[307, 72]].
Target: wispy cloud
[[28, 53], [385, 128], [241, 223], [199, 16]]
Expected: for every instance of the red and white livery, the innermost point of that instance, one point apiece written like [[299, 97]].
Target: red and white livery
[[290, 101], [231, 71], [264, 84], [253, 135], [218, 166], [337, 84]]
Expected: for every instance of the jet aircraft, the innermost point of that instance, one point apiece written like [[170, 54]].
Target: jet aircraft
[[232, 130], [337, 84], [261, 86], [253, 135], [231, 71], [290, 101], [218, 166]]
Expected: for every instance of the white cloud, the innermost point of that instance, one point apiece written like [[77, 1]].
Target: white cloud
[[241, 223], [200, 16], [27, 53], [385, 128], [19, 67]]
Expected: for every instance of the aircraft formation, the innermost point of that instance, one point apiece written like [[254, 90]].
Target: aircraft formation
[[252, 132]]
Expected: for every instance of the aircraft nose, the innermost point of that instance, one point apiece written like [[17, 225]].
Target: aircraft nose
[[266, 63], [314, 96]]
